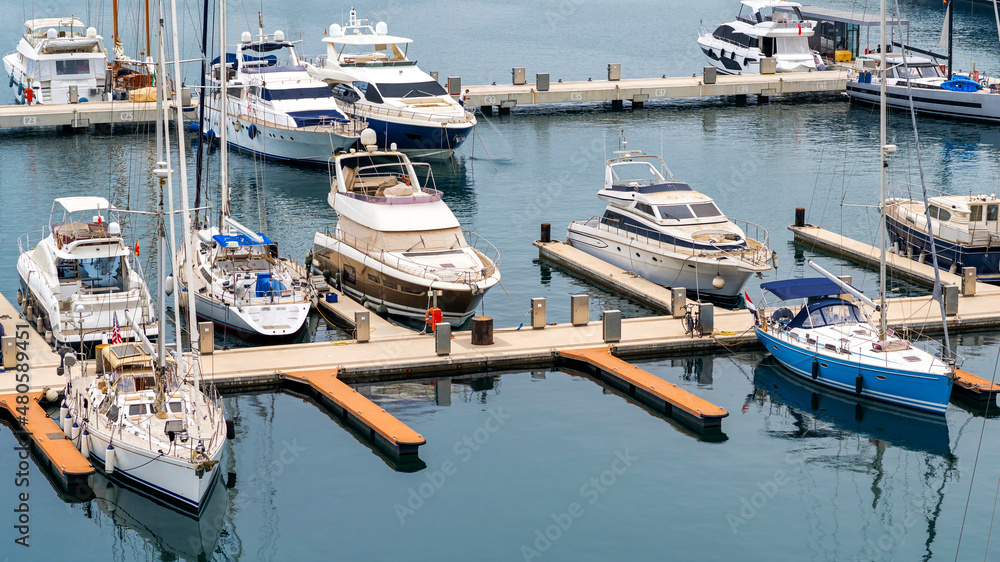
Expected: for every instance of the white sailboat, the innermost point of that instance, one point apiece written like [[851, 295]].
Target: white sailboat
[[239, 282], [142, 416]]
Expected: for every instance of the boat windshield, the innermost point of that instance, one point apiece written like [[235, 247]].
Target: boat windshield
[[269, 56], [675, 212], [297, 93], [94, 273], [780, 14], [412, 89], [826, 313], [705, 210], [635, 173], [926, 71]]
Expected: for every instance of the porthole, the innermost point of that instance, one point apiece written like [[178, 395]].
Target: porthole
[[881, 377], [824, 365], [637, 254], [619, 248]]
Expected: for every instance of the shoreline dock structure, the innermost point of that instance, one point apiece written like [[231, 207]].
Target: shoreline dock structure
[[79, 116], [638, 91]]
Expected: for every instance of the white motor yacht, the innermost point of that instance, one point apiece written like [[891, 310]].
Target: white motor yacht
[[274, 108], [762, 29], [374, 81], [667, 233], [77, 278], [53, 55], [398, 244]]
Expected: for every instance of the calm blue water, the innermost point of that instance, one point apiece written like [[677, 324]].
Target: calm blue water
[[805, 476]]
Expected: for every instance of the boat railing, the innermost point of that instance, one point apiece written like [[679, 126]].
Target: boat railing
[[756, 250], [275, 120], [395, 260], [29, 240], [370, 109], [487, 252]]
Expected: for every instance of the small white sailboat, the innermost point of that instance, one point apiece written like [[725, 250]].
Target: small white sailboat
[[143, 417], [374, 81], [667, 233], [53, 55], [78, 275]]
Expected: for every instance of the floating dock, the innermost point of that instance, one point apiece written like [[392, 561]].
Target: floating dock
[[974, 388], [82, 115], [352, 407], [608, 276], [58, 453], [667, 398], [638, 91]]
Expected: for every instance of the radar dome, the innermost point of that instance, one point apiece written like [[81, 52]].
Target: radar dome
[[381, 28], [279, 35], [336, 31], [51, 33], [245, 37], [91, 32], [368, 137]]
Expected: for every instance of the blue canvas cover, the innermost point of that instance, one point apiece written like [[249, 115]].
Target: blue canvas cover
[[268, 286], [802, 288], [241, 239]]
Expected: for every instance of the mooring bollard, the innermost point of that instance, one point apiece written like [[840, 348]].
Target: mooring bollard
[[546, 235], [800, 216], [482, 330]]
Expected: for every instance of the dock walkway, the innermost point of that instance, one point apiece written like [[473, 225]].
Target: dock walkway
[[81, 115], [640, 90], [58, 452]]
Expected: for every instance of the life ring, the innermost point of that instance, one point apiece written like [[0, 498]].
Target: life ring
[[433, 316]]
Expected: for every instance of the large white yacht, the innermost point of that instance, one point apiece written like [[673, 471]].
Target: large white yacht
[[76, 275], [274, 108], [763, 28], [374, 81], [664, 231], [965, 228], [970, 97], [397, 243], [54, 54]]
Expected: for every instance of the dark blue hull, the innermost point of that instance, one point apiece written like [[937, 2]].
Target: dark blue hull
[[419, 140], [985, 259]]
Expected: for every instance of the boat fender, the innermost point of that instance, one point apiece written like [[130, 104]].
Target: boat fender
[[74, 431], [230, 429], [815, 369], [67, 424], [85, 443], [109, 459], [168, 285], [20, 297], [252, 131], [858, 383], [382, 310], [11, 83]]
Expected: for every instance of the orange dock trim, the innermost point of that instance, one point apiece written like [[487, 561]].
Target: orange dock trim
[[361, 412], [971, 386], [65, 459], [641, 384]]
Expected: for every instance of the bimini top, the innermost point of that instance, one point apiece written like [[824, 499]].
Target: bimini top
[[367, 39], [655, 188], [802, 288], [242, 240], [77, 204], [54, 22]]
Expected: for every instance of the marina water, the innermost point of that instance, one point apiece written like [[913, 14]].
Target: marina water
[[548, 465]]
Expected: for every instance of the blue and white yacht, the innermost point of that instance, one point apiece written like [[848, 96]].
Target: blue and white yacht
[[667, 233], [274, 108], [371, 76], [831, 341]]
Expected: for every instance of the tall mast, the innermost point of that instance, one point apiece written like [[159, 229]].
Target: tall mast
[[189, 252], [148, 53], [950, 15], [882, 156], [201, 110], [161, 183], [223, 122], [114, 17]]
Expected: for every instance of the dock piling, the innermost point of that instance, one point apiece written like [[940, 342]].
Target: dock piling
[[482, 330], [800, 217], [546, 234]]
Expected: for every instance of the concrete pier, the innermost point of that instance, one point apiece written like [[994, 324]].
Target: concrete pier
[[82, 115]]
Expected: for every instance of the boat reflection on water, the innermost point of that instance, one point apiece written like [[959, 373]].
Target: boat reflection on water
[[163, 528], [822, 412]]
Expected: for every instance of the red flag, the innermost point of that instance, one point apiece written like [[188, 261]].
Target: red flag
[[116, 333], [800, 29], [137, 247]]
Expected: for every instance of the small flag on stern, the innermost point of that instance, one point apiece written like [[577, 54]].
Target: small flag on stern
[[750, 306], [116, 333]]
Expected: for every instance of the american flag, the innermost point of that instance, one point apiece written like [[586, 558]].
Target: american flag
[[116, 333]]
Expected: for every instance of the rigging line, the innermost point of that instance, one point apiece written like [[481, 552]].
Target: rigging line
[[512, 300]]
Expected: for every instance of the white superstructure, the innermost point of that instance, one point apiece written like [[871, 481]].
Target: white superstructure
[[763, 29], [53, 55]]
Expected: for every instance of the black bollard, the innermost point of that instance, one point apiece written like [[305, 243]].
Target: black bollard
[[800, 216], [546, 232]]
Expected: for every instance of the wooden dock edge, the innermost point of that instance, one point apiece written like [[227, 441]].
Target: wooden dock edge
[[976, 388], [58, 453], [646, 387]]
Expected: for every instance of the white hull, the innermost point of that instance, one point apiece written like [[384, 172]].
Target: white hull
[[976, 106], [659, 266]]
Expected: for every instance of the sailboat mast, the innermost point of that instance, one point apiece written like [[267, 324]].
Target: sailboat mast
[[160, 230], [114, 18], [223, 122], [201, 111], [950, 15], [882, 156], [189, 251]]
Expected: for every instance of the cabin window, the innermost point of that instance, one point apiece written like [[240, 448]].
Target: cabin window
[[815, 319], [675, 212], [705, 210], [976, 213], [412, 90], [175, 407], [944, 215], [644, 208], [136, 409], [991, 213], [297, 93], [64, 67], [933, 212]]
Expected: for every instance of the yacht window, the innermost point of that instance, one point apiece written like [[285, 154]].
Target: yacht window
[[815, 319], [644, 208], [991, 213], [346, 93], [908, 72], [781, 15], [73, 66], [675, 212], [705, 210], [929, 71], [369, 90], [136, 409], [975, 213], [792, 46], [412, 90], [94, 273], [933, 212], [943, 215], [724, 32], [175, 407], [297, 93], [840, 313]]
